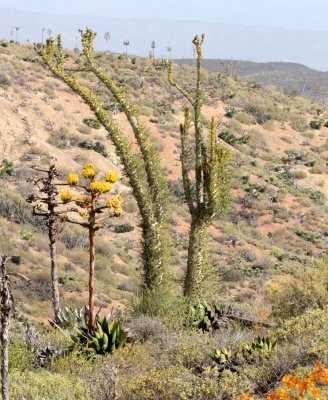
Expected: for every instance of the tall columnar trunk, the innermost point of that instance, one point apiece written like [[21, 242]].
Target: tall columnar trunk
[[54, 275], [5, 356], [6, 308], [196, 257], [91, 280], [206, 194], [142, 167]]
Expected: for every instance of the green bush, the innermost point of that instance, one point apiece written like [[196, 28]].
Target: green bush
[[171, 383], [46, 385], [298, 122], [4, 81], [245, 118], [21, 358], [95, 146], [16, 260], [92, 123], [63, 138], [232, 139], [6, 168], [122, 228], [230, 112], [315, 124], [293, 297]]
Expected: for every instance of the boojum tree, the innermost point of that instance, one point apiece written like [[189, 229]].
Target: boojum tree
[[206, 183], [141, 165], [92, 209]]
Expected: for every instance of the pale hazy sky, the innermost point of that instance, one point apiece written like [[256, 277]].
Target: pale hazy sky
[[296, 14]]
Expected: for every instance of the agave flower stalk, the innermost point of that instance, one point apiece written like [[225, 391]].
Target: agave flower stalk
[[90, 205]]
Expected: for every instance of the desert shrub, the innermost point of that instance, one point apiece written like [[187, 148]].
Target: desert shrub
[[73, 237], [259, 113], [298, 174], [16, 260], [245, 118], [122, 228], [105, 248], [230, 112], [16, 209], [317, 196], [269, 125], [86, 130], [163, 304], [113, 107], [308, 236], [145, 328], [231, 139], [295, 157], [26, 235], [307, 331], [317, 169], [172, 383], [298, 122], [95, 146], [315, 124], [130, 206], [92, 123], [176, 188], [46, 385], [293, 297], [6, 168], [63, 138], [21, 357], [235, 126], [4, 81]]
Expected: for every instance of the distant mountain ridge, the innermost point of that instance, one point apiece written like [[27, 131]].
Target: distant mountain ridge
[[226, 41], [286, 76]]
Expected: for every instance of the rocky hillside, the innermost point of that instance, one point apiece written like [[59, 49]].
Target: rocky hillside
[[276, 224], [292, 78]]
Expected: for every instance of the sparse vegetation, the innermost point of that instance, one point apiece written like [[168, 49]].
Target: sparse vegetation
[[262, 331]]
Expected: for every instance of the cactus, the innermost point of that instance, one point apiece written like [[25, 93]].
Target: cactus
[[227, 359], [207, 195], [202, 316], [70, 316], [107, 337], [261, 344], [210, 317], [142, 167], [222, 356]]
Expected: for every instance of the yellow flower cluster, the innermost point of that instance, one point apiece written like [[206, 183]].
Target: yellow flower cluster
[[115, 203], [118, 212], [66, 196], [112, 177], [84, 214], [100, 187], [88, 171], [83, 200], [72, 179]]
